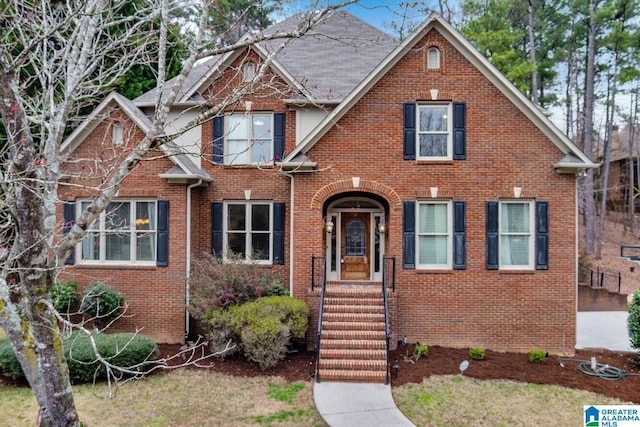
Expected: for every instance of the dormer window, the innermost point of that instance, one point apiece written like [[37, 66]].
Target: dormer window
[[117, 133], [248, 71], [433, 58]]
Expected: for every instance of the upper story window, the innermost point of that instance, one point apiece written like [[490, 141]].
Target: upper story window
[[248, 138], [434, 235], [433, 58], [434, 131], [248, 230], [516, 234], [248, 71], [125, 233], [117, 133]]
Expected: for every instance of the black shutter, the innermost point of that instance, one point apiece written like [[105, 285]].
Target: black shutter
[[278, 136], [542, 235], [409, 141], [459, 131], [69, 214], [162, 249], [492, 236], [216, 229], [278, 233], [409, 234], [459, 235], [218, 140]]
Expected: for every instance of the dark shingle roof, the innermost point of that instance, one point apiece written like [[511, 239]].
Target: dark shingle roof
[[329, 61]]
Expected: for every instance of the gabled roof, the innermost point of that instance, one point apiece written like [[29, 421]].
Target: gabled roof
[[435, 22], [186, 168], [324, 65]]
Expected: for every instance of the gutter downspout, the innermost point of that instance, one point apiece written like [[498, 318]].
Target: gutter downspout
[[291, 216], [188, 260]]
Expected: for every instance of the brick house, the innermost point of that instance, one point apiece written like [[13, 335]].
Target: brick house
[[416, 163]]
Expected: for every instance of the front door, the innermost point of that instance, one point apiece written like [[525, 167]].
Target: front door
[[355, 245]]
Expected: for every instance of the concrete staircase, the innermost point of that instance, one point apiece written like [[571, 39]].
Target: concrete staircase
[[352, 345]]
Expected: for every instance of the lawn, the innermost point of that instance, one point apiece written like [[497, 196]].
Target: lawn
[[196, 398]]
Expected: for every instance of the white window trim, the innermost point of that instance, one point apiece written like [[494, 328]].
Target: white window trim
[[449, 131], [531, 234], [449, 264], [249, 250], [103, 237], [229, 158]]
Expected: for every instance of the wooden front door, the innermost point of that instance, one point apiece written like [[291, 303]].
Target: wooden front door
[[355, 246]]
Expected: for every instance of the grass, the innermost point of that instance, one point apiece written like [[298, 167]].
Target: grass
[[195, 398]]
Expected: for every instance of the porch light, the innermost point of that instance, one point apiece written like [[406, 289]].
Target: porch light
[[382, 227], [328, 224]]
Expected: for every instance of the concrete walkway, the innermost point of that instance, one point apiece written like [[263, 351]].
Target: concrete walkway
[[358, 405]]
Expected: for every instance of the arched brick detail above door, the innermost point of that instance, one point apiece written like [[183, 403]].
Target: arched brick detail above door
[[351, 185]]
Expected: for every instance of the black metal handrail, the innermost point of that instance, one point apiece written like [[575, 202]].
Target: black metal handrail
[[319, 333], [389, 268], [386, 310]]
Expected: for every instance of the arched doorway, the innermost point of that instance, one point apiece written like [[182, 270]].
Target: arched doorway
[[355, 246]]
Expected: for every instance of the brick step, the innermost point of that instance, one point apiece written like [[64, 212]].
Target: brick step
[[345, 344], [353, 317], [352, 326], [352, 376], [328, 334], [355, 304], [353, 364], [341, 307], [352, 353], [339, 292]]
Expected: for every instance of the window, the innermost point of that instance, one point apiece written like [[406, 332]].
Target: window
[[433, 58], [434, 234], [249, 138], [434, 131], [516, 239], [517, 235], [117, 134], [248, 71], [248, 230], [125, 233]]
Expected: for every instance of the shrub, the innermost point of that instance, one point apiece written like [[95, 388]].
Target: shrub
[[102, 303], [9, 364], [219, 283], [125, 350], [537, 355], [477, 353], [65, 297], [261, 328], [633, 321], [420, 351]]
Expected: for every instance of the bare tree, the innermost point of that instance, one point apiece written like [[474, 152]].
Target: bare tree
[[56, 58]]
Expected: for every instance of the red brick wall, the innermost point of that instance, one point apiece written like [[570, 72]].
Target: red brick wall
[[473, 307]]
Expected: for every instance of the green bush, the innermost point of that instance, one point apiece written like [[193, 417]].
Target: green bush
[[217, 283], [477, 353], [65, 297], [537, 355], [633, 321], [262, 328], [420, 351], [9, 364], [102, 304], [125, 350]]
